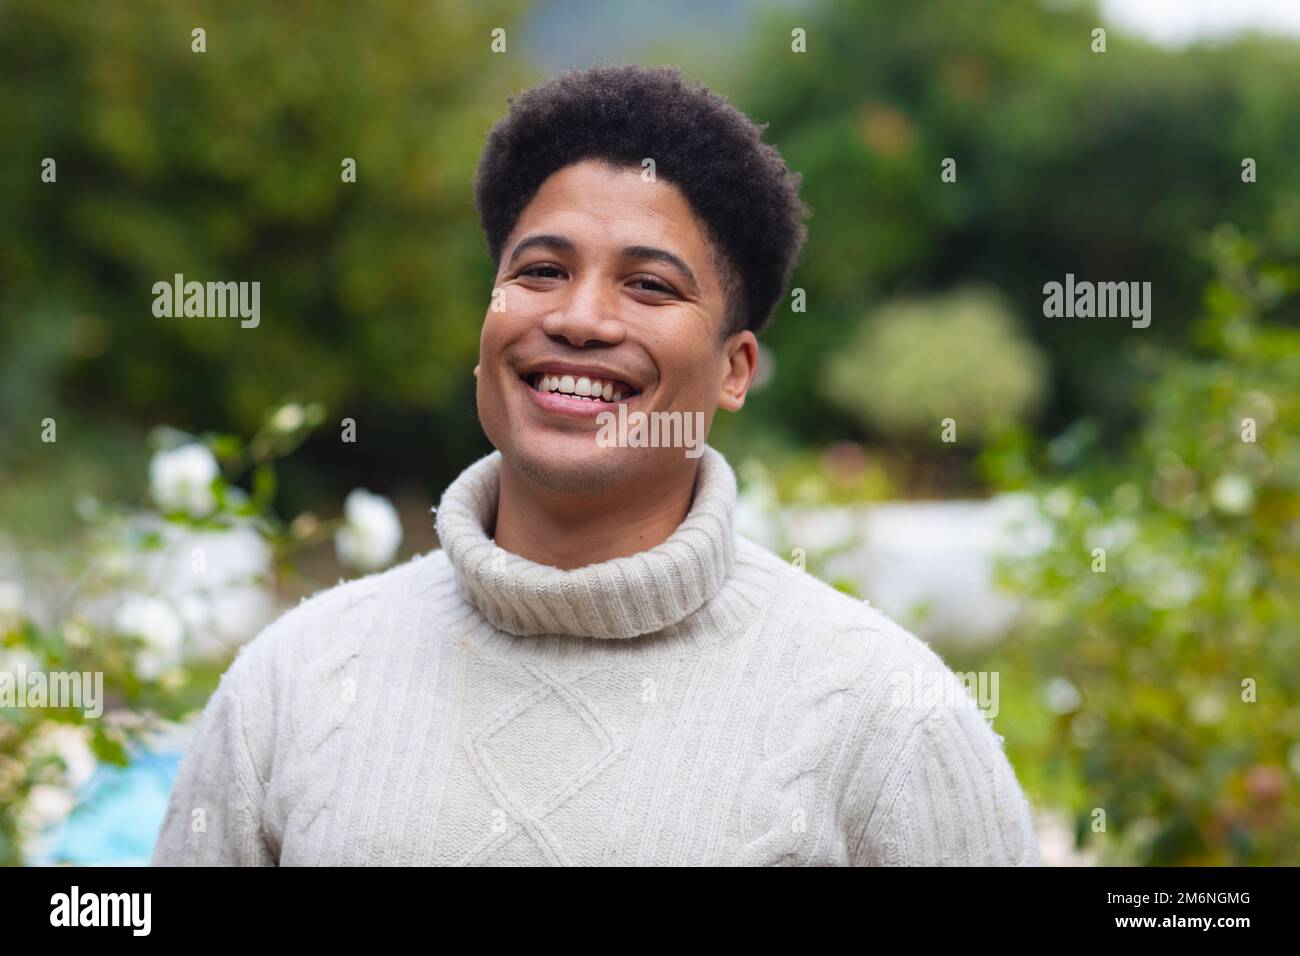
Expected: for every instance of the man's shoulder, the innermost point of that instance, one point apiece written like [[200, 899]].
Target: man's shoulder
[[318, 623], [849, 625]]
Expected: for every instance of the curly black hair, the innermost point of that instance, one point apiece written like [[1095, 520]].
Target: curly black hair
[[744, 194]]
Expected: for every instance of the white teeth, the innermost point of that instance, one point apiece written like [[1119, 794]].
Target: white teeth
[[581, 386]]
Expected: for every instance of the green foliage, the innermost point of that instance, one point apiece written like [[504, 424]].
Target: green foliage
[[1185, 650], [914, 362], [227, 165], [1067, 161]]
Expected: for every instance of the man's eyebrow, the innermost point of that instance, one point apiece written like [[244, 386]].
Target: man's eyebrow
[[566, 245], [544, 240], [667, 258]]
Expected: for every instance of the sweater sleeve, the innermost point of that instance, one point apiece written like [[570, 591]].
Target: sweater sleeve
[[214, 816], [955, 801]]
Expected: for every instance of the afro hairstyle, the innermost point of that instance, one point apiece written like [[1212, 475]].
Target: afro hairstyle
[[739, 187]]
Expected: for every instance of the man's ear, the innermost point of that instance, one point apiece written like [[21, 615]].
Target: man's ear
[[740, 357]]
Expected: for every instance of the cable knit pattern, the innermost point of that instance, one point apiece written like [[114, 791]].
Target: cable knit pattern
[[335, 685], [699, 703]]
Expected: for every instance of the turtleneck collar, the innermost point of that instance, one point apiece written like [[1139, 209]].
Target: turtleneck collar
[[621, 598]]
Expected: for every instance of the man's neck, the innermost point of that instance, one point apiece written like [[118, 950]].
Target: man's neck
[[570, 531]]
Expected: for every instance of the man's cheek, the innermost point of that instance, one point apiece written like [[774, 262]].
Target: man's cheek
[[690, 391], [491, 416]]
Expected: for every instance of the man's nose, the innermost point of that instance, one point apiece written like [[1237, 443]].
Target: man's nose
[[588, 317]]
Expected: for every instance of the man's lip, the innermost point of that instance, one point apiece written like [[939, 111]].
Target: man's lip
[[581, 371]]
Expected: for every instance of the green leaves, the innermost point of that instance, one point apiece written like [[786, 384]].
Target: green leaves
[[1187, 648]]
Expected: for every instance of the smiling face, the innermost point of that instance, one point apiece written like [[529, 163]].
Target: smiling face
[[607, 293]]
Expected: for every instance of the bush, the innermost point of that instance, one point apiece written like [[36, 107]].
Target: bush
[[914, 362], [1167, 611], [139, 621]]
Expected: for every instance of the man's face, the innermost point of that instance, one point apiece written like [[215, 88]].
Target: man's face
[[608, 286]]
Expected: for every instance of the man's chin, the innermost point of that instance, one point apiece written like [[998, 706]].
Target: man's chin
[[559, 467]]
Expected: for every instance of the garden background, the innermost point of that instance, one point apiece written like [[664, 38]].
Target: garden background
[[1161, 691]]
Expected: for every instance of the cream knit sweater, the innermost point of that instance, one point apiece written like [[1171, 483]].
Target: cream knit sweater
[[702, 702]]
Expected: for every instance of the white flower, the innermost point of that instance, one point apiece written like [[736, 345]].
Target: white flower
[[18, 660], [181, 480], [1208, 709], [50, 803], [216, 581], [1055, 831], [115, 562], [1233, 494], [1062, 696], [69, 743], [47, 805], [288, 417], [371, 532], [1172, 587], [11, 604], [1059, 502], [154, 622], [1114, 535]]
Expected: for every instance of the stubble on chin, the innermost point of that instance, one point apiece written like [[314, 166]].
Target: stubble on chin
[[570, 477]]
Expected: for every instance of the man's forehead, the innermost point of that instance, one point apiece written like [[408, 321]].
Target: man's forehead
[[589, 200], [592, 188]]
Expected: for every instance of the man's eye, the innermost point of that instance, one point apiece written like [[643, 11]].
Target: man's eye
[[538, 271], [649, 284]]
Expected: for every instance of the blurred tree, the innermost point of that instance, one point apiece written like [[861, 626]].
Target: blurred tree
[[227, 165], [1104, 165]]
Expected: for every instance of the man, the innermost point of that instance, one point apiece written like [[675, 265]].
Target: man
[[594, 669]]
